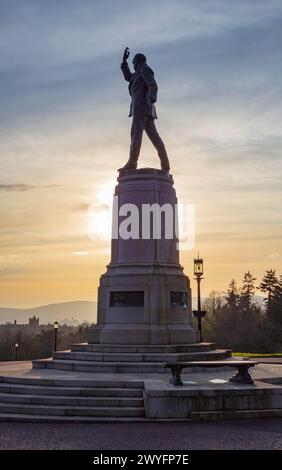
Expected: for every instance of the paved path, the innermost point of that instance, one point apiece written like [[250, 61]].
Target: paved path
[[251, 434]]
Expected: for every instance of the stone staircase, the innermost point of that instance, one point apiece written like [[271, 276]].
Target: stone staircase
[[72, 398], [75, 401], [115, 358]]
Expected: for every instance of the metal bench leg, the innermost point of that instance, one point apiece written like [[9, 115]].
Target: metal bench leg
[[176, 376], [242, 376]]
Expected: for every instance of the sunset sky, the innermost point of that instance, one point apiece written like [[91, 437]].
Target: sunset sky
[[64, 131]]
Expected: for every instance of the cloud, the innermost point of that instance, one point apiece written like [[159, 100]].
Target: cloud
[[55, 54], [13, 264], [64, 125], [83, 207], [16, 187], [25, 187], [275, 255], [70, 31]]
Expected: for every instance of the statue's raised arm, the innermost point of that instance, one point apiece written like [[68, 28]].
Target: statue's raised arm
[[126, 54], [124, 65]]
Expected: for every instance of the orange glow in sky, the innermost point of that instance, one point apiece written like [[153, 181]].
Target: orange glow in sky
[[64, 133]]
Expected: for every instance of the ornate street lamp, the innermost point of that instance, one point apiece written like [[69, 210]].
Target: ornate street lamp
[[198, 272], [198, 266], [56, 326], [16, 351]]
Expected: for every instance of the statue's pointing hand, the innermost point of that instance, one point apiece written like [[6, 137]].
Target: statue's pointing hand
[[126, 54]]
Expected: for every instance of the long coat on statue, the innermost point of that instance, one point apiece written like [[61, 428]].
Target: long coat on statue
[[142, 85]]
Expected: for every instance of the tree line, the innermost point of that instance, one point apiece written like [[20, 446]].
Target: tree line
[[238, 320], [37, 343]]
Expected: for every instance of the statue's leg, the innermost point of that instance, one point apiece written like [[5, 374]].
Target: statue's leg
[[153, 135], [137, 128]]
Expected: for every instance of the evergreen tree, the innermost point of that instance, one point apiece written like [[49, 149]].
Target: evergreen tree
[[269, 285], [275, 307], [232, 295], [247, 292]]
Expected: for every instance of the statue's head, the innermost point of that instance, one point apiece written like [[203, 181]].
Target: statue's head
[[138, 59]]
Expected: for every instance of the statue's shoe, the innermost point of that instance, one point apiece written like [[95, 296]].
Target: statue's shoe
[[165, 168], [129, 166]]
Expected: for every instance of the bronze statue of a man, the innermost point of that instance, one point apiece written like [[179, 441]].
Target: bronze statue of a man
[[143, 90]]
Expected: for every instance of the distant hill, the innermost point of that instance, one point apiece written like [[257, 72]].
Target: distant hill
[[70, 313]]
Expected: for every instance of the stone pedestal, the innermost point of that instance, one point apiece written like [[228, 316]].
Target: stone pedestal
[[144, 297]]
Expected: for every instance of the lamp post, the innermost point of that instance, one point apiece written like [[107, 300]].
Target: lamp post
[[198, 273], [16, 351], [56, 326]]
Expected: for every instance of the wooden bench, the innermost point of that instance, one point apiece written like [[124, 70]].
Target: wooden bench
[[242, 376]]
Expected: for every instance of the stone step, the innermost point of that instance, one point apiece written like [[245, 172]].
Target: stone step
[[88, 366], [70, 410], [76, 382], [195, 416], [70, 391], [132, 357], [116, 367], [26, 418], [141, 348], [110, 401], [235, 414]]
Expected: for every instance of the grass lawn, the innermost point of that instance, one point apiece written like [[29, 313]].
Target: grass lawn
[[246, 354]]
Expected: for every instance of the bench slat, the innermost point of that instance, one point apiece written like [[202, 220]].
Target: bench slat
[[210, 363]]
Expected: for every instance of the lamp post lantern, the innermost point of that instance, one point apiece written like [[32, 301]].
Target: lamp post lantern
[[56, 326], [198, 272], [16, 351]]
